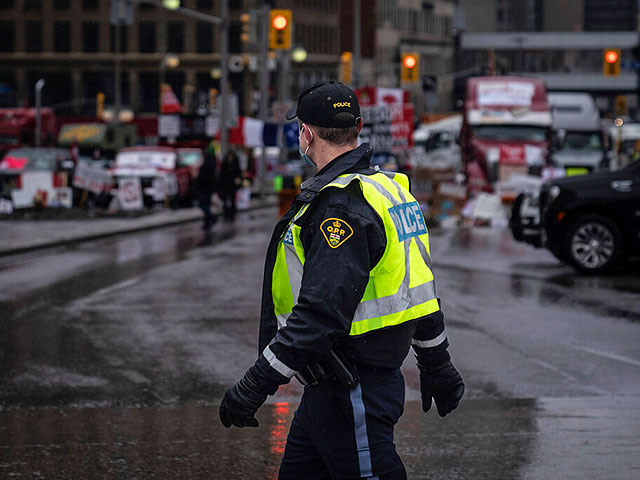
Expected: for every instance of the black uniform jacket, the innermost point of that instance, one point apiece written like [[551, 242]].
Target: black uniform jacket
[[334, 278]]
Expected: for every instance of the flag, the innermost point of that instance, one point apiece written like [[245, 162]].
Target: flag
[[389, 96], [291, 134], [168, 101], [252, 129]]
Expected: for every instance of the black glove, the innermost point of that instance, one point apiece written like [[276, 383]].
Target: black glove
[[241, 402], [442, 383]]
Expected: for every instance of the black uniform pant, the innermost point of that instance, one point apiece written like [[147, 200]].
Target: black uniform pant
[[338, 433]]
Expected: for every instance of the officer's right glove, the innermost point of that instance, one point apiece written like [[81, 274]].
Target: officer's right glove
[[242, 401], [444, 384]]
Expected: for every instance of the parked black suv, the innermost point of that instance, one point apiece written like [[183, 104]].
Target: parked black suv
[[590, 221]]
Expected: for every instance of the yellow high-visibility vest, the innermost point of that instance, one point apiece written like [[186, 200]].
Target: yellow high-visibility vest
[[401, 286]]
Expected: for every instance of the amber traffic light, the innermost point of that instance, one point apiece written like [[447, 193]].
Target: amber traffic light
[[611, 62], [410, 68], [280, 29], [346, 67]]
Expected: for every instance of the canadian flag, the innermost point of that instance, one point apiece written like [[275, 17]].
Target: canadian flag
[[168, 101], [389, 96]]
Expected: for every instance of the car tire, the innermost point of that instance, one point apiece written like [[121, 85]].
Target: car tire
[[593, 244]]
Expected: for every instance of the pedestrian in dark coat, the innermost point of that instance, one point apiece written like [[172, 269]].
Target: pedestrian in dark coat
[[206, 187], [230, 181]]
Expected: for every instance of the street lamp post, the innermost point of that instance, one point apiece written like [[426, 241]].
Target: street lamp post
[[39, 87]]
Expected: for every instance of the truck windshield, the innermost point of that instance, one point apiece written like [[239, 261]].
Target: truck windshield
[[510, 132], [588, 141]]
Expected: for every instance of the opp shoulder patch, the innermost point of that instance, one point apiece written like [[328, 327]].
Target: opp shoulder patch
[[336, 231]]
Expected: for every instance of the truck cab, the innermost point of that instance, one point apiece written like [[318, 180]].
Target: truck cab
[[506, 130], [579, 145]]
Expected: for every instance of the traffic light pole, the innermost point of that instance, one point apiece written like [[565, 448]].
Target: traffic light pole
[[264, 90], [356, 44], [224, 83]]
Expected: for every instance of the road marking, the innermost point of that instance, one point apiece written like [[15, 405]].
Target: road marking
[[611, 356], [82, 303]]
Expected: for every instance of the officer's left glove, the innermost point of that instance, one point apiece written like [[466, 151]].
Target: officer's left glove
[[444, 384], [242, 401]]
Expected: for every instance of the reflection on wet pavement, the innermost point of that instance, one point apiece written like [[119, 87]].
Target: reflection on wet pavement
[[189, 442]]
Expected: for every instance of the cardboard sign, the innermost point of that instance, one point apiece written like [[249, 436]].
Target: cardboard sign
[[387, 127], [130, 193], [89, 177], [62, 198], [6, 207]]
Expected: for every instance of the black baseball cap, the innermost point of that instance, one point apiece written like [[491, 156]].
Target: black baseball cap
[[327, 104]]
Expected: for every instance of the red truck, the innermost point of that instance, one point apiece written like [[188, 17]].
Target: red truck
[[18, 127], [506, 130]]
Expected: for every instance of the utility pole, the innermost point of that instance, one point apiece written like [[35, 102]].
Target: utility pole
[[224, 82], [356, 43], [264, 89]]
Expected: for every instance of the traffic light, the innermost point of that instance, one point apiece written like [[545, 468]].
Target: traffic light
[[99, 104], [410, 67], [245, 18], [611, 62], [346, 67], [280, 29]]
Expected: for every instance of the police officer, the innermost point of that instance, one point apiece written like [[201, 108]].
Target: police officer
[[348, 287]]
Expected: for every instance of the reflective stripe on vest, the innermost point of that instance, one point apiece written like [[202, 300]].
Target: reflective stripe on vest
[[400, 286]]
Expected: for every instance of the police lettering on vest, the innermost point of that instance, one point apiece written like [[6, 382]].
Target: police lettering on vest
[[408, 220]]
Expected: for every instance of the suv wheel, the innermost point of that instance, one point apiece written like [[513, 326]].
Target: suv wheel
[[593, 244]]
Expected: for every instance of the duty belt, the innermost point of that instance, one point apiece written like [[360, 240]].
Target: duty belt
[[334, 364]]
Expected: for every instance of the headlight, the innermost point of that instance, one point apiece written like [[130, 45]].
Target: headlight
[[554, 191]]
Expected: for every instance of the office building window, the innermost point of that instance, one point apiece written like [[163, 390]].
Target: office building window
[[124, 44], [204, 4], [33, 33], [90, 37], [90, 4], [175, 37], [62, 36], [32, 5], [61, 4], [7, 35], [204, 37], [146, 37]]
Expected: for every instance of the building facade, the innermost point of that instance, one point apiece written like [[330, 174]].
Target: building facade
[[72, 45], [422, 27], [562, 43]]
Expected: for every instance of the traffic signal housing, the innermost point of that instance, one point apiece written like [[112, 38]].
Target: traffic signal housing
[[410, 66], [280, 27], [346, 67], [611, 62], [99, 104]]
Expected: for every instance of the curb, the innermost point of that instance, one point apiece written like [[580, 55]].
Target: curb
[[195, 216]]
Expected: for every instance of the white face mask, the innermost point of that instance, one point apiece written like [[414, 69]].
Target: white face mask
[[304, 155]]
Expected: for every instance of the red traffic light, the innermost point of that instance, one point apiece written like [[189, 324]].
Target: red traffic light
[[409, 61], [279, 22], [611, 56]]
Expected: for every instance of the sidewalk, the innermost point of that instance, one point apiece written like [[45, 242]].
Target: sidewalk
[[19, 236]]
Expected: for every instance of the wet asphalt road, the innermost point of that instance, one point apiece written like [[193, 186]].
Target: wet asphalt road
[[115, 354]]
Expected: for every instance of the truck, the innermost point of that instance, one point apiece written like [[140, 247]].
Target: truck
[[506, 131], [18, 127], [578, 145]]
